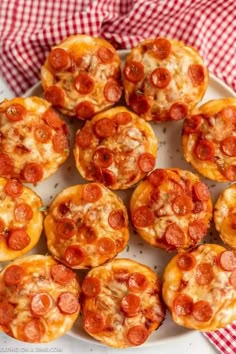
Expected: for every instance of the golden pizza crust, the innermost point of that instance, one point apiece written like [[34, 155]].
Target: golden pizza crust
[[179, 90], [215, 167], [99, 227], [83, 52], [113, 285], [225, 216], [33, 227], [126, 144], [37, 278], [216, 291]]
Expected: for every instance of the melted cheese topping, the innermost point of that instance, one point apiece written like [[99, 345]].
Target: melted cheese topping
[[83, 51], [219, 293], [215, 127], [130, 141], [18, 140], [93, 216], [33, 227], [224, 211], [107, 302], [163, 211], [37, 278], [180, 88]]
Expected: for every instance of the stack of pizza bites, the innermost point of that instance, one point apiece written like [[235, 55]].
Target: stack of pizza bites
[[87, 225]]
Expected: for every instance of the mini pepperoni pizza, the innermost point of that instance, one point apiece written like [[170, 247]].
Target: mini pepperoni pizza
[[116, 148], [164, 79], [39, 299], [33, 139], [225, 216], [21, 221], [86, 225], [171, 209], [121, 304], [209, 139], [81, 76], [199, 288]]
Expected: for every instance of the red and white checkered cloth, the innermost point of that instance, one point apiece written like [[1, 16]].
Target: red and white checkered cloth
[[28, 28]]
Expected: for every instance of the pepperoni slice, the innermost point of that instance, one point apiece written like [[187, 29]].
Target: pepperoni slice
[[106, 177], [55, 95], [122, 118], [112, 91], [85, 110], [178, 110], [104, 128], [116, 219], [84, 138], [197, 230], [139, 103], [65, 228], [192, 125], [6, 165], [6, 313], [196, 74], [134, 71], [61, 274], [13, 188], [2, 226], [18, 239], [198, 207], [16, 112], [34, 330], [161, 48], [137, 282], [130, 305], [228, 260], [32, 172], [186, 261], [182, 205], [201, 191], [204, 150], [13, 275], [204, 274], [93, 322], [232, 279], [143, 217], [23, 212], [84, 84], [228, 146], [121, 275], [229, 172], [202, 311], [160, 78], [157, 177], [42, 133], [60, 142], [106, 246], [87, 234], [91, 193], [146, 162], [74, 255], [52, 119], [40, 304], [103, 157], [91, 286], [174, 235], [105, 55], [59, 59], [183, 305], [137, 335], [68, 303]]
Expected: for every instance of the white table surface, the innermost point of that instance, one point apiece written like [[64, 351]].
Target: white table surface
[[194, 343]]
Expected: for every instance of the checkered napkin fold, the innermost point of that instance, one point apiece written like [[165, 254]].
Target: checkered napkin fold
[[28, 28]]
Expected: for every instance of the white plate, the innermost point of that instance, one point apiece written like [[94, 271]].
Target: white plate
[[169, 155]]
